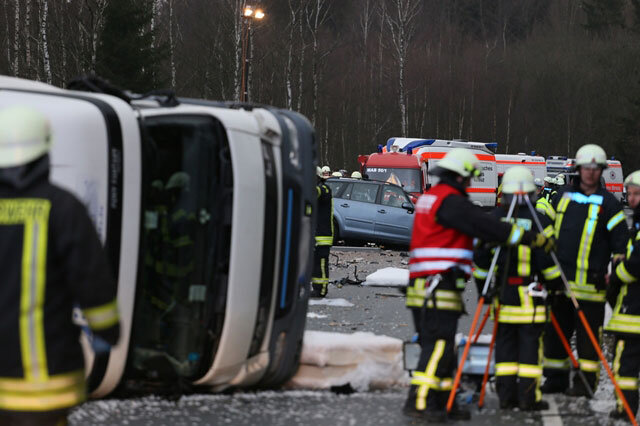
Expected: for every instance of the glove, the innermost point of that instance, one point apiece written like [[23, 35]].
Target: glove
[[613, 288], [543, 242]]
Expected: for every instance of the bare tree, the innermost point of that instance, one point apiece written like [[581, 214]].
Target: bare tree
[[45, 44], [401, 22], [16, 39]]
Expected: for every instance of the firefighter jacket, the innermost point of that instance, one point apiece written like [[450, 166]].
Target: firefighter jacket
[[588, 230], [51, 260], [526, 265], [544, 206], [626, 311], [324, 228], [444, 226], [548, 193]]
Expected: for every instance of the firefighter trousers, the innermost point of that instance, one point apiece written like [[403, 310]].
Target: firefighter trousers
[[433, 380], [519, 362], [320, 278], [626, 367], [556, 361]]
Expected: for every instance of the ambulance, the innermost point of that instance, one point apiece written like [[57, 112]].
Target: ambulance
[[227, 308], [407, 161], [536, 164], [612, 177]]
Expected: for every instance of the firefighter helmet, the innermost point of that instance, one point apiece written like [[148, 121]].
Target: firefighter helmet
[[633, 179], [318, 171], [460, 161], [560, 180], [548, 179], [336, 174], [25, 135], [326, 170], [591, 155], [356, 175], [518, 180], [179, 180], [538, 182]]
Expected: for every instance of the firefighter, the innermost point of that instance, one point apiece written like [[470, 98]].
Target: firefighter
[[51, 259], [549, 188], [590, 225], [441, 255], [521, 316], [543, 205], [623, 293], [324, 238]]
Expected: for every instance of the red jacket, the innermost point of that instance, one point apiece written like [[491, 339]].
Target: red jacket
[[436, 248]]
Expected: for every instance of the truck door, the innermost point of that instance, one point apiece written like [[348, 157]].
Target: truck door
[[185, 243]]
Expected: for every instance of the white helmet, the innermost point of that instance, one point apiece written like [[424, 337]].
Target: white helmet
[[178, 180], [326, 170], [518, 180], [336, 174], [538, 182], [560, 180], [548, 179], [460, 161], [633, 179], [356, 175], [318, 171], [25, 135], [591, 155]]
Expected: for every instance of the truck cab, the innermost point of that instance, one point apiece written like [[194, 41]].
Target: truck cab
[[206, 214]]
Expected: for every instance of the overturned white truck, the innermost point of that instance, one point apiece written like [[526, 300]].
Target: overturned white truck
[[206, 211]]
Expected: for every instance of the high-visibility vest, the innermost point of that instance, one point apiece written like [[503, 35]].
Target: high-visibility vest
[[436, 248]]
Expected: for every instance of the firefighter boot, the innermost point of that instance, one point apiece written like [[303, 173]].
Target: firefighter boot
[[556, 382], [430, 416]]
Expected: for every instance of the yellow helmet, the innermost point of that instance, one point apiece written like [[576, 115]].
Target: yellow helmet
[[633, 179], [25, 135], [591, 155], [460, 161], [356, 175], [518, 180]]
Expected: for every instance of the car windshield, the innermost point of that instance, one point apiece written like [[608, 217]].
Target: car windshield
[[408, 179]]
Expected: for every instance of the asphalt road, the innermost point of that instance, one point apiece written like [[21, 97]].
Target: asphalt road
[[376, 309]]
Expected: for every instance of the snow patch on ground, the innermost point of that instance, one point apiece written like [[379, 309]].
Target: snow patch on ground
[[314, 315], [363, 360], [388, 277], [331, 302]]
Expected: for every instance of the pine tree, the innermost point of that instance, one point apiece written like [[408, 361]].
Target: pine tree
[[603, 15], [125, 54]]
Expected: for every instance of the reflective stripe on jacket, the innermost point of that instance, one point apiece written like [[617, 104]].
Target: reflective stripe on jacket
[[594, 228]]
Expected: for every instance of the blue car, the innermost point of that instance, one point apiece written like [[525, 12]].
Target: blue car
[[371, 211]]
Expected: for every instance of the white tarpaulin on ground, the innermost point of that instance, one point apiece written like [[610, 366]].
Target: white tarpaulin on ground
[[363, 360], [388, 277]]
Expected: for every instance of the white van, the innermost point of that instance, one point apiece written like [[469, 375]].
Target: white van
[[536, 164], [429, 151], [205, 315]]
